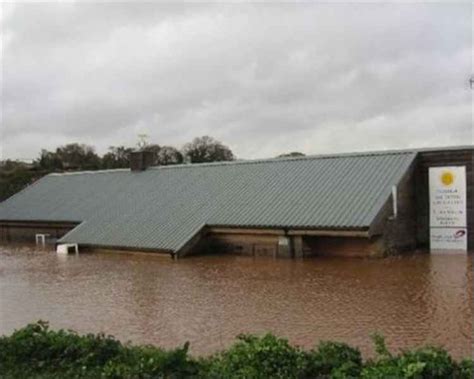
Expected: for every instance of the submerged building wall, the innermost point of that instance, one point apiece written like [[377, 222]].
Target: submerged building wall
[[26, 231], [350, 247], [279, 244], [247, 242]]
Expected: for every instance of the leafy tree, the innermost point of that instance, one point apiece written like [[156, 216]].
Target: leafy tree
[[207, 149], [169, 155], [49, 160], [67, 157], [117, 157], [155, 149], [14, 176], [78, 156]]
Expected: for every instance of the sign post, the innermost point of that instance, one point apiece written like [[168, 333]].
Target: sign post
[[448, 221]]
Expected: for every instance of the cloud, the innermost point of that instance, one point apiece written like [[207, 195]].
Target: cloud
[[263, 78]]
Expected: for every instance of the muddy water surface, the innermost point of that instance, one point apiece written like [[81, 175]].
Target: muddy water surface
[[209, 300]]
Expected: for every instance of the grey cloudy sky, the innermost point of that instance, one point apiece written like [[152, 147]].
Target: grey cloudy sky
[[262, 78]]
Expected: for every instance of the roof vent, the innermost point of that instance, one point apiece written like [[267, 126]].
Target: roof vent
[[141, 160]]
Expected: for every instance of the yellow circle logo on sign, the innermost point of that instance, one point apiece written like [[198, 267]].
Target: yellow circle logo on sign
[[447, 178]]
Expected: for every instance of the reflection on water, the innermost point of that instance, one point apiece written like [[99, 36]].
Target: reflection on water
[[209, 300]]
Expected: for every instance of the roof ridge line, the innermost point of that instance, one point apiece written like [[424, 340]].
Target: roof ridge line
[[274, 160], [243, 162], [284, 159], [88, 172]]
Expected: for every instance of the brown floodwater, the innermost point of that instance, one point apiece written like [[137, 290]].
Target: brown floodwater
[[414, 300]]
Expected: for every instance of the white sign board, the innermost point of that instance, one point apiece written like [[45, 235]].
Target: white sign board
[[444, 239], [448, 230]]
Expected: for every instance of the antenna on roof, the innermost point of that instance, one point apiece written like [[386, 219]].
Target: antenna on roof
[[142, 141]]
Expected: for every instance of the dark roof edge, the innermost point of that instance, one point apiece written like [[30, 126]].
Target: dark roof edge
[[289, 227], [35, 222], [126, 248]]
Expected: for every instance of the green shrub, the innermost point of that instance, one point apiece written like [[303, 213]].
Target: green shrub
[[150, 362], [334, 360], [40, 349], [254, 357], [465, 369], [37, 352], [272, 357], [428, 362]]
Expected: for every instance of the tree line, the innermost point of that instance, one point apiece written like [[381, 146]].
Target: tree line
[[76, 156], [15, 175]]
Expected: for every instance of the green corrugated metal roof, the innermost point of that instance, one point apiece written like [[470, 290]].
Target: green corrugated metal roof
[[162, 207]]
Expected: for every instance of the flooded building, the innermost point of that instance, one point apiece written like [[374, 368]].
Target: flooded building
[[360, 204]]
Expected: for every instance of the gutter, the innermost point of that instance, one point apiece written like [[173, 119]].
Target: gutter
[[330, 233], [290, 231]]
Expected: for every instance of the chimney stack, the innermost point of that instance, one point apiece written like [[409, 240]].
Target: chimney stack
[[141, 160]]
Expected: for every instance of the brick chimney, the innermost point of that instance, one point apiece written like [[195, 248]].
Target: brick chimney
[[141, 160]]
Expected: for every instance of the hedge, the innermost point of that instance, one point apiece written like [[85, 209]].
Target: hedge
[[37, 352]]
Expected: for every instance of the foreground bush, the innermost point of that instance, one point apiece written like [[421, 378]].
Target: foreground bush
[[427, 362], [38, 352]]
